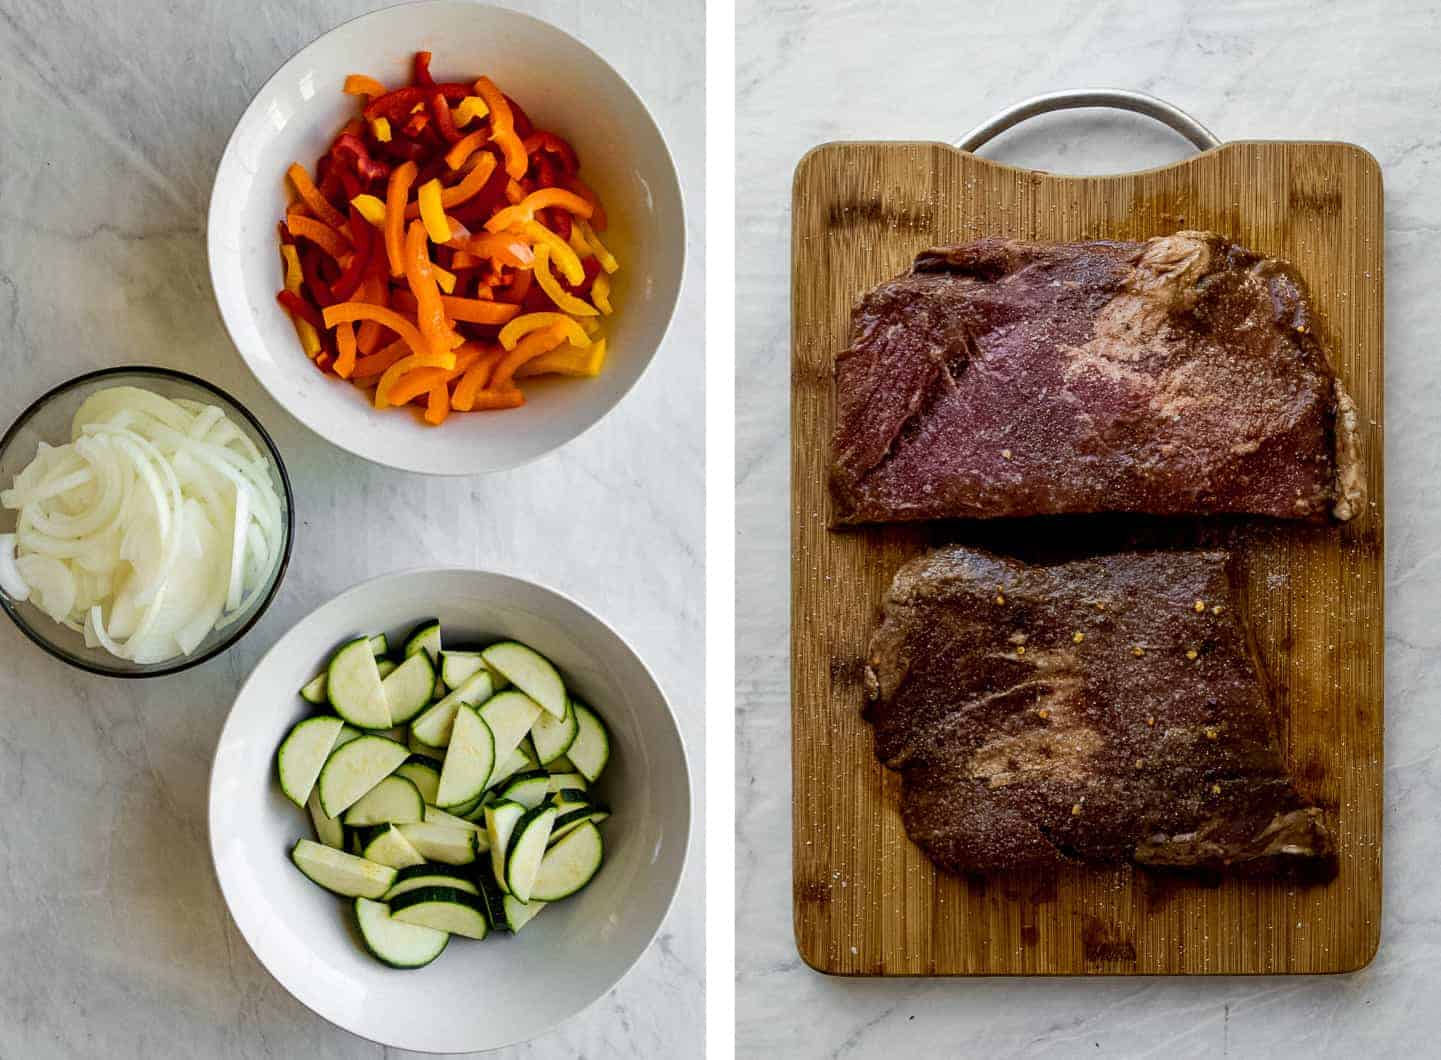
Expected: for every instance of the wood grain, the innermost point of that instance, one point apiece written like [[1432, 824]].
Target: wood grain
[[867, 901]]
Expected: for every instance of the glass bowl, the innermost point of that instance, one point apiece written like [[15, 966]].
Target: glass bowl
[[48, 419]]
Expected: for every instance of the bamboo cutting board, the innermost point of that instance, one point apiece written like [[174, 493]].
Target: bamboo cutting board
[[867, 901]]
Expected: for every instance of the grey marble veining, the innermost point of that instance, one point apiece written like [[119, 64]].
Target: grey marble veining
[[116, 940], [809, 71]]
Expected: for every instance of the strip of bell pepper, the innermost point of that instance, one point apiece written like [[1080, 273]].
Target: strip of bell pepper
[[374, 364], [375, 289], [560, 251], [416, 361], [527, 349], [300, 309], [502, 126], [551, 144], [321, 234], [504, 248], [437, 405], [310, 258], [459, 193], [396, 193], [479, 311], [420, 70], [522, 326], [414, 383], [361, 85], [566, 360], [352, 146], [444, 278], [475, 379], [432, 213], [525, 210], [345, 344], [389, 318], [363, 240], [602, 255], [516, 291], [600, 293], [466, 146], [470, 108], [558, 221], [310, 195], [586, 192], [444, 124], [380, 128], [564, 300], [429, 310], [398, 102]]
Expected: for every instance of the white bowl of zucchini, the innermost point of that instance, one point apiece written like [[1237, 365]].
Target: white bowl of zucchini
[[449, 810]]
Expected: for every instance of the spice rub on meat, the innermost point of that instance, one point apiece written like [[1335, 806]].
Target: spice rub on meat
[[1105, 710], [1182, 375]]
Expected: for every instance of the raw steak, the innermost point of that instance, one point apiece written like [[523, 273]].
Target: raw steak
[[1104, 710], [1182, 375]]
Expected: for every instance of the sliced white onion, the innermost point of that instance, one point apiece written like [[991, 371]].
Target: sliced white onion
[[11, 582]]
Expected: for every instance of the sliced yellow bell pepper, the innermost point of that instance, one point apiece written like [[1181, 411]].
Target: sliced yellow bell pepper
[[372, 208], [567, 360], [551, 286], [467, 109], [560, 252], [432, 212], [309, 337], [600, 293], [381, 128], [524, 325]]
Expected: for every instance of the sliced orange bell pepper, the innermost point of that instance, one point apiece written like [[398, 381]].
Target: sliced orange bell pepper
[[443, 278], [417, 382], [360, 85], [479, 310], [437, 405], [563, 299], [372, 365], [321, 234], [429, 310], [416, 361], [543, 199], [345, 345], [502, 126], [468, 188], [409, 334], [514, 192], [466, 146], [528, 348], [475, 378], [522, 326], [396, 193], [504, 248], [310, 195]]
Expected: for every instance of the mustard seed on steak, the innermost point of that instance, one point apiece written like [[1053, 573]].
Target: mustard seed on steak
[[1178, 376], [1105, 710]]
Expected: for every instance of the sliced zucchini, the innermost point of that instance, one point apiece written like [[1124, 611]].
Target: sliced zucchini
[[529, 789], [314, 691], [395, 942], [424, 773], [552, 737], [591, 750], [352, 684], [469, 760], [327, 829], [409, 687], [516, 763], [494, 899], [420, 747], [530, 672], [424, 638], [568, 782], [354, 769], [347, 733], [396, 734], [433, 727], [500, 822], [518, 913], [395, 800], [442, 842], [570, 864], [573, 816], [302, 754], [385, 667], [380, 645], [510, 716], [458, 667], [438, 691], [431, 874], [560, 765], [342, 873], [385, 845], [444, 909], [435, 815], [526, 850]]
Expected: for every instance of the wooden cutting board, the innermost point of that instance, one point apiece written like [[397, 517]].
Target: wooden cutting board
[[867, 901]]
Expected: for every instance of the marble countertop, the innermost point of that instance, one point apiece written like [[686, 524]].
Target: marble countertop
[[811, 71], [112, 120]]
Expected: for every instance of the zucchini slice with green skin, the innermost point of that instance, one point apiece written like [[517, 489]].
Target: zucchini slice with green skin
[[352, 684], [559, 782], [569, 819], [395, 942], [385, 845], [423, 749], [409, 688], [518, 913], [395, 800], [435, 815], [444, 909], [347, 733], [458, 667], [438, 691], [516, 763], [327, 829], [433, 727], [529, 789], [591, 750], [552, 736], [510, 716], [314, 691], [560, 765], [424, 638], [355, 768], [469, 759], [442, 842], [302, 754], [424, 773], [500, 821], [432, 874], [339, 872], [530, 672], [526, 850], [494, 899], [385, 667], [379, 645], [569, 865]]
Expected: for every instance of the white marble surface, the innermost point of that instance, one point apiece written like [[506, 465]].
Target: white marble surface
[[116, 941], [810, 71]]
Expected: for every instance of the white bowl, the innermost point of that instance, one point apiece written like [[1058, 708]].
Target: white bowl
[[476, 995], [564, 87]]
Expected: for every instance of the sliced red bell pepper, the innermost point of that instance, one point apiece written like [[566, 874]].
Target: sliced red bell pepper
[[444, 123], [421, 70], [396, 105], [362, 237], [352, 147], [299, 307], [310, 259], [542, 142]]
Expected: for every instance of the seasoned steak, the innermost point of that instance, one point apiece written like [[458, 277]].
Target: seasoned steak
[[1105, 710], [1182, 375]]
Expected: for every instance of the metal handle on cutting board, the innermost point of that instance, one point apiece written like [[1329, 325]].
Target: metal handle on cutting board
[[1076, 99]]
